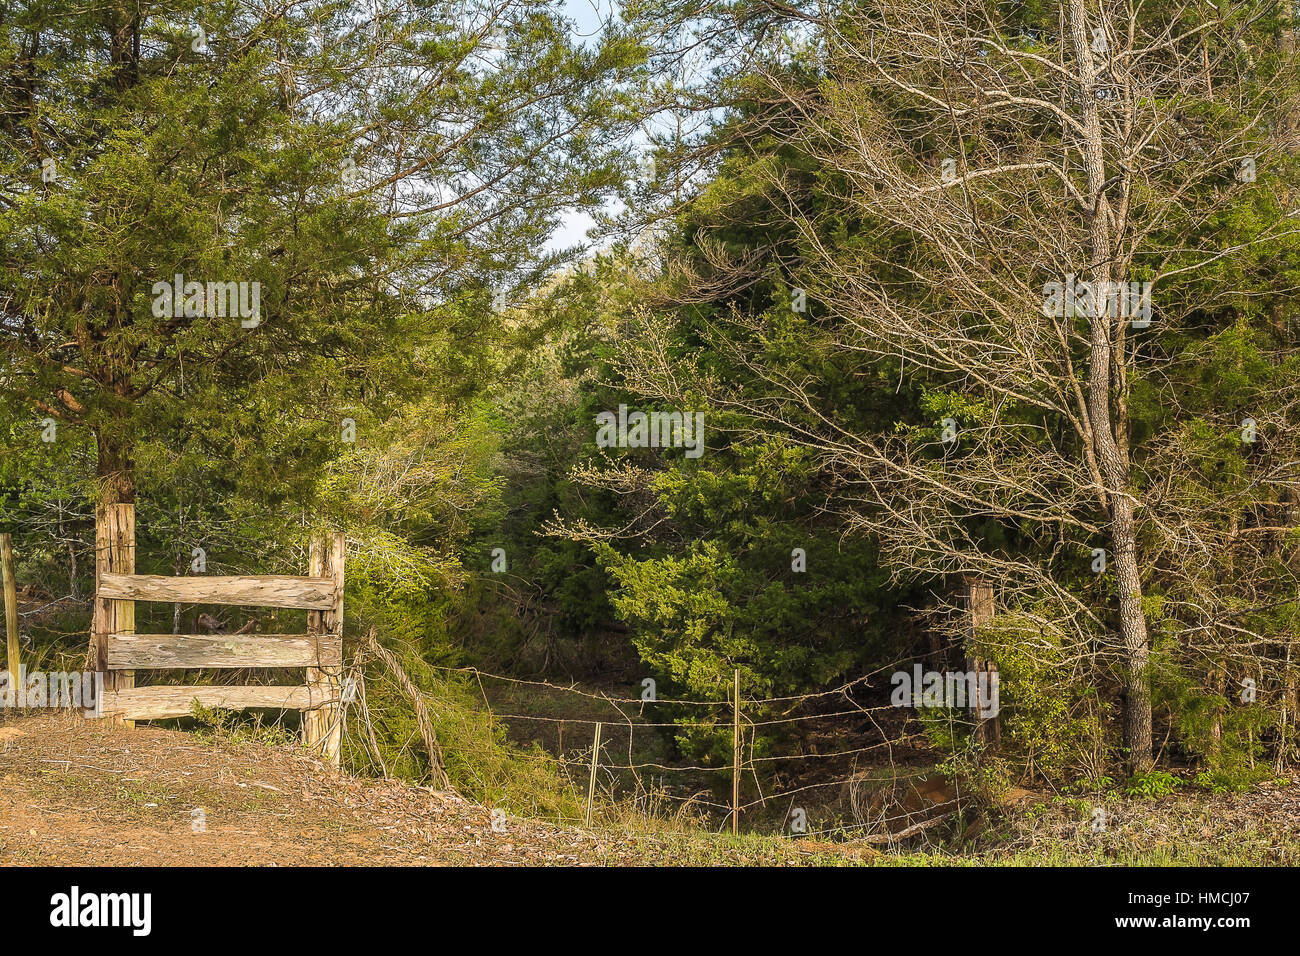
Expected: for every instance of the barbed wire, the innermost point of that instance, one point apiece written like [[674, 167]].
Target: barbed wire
[[747, 761], [753, 701]]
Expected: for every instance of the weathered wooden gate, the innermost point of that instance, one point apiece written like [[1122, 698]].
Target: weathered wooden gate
[[120, 651]]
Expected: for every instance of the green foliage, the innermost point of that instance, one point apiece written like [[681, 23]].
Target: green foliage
[[1237, 780], [132, 151], [239, 726], [478, 761], [474, 414], [1224, 733], [1152, 785], [1052, 717]]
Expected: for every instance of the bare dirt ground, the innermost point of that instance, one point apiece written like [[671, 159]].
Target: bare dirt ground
[[83, 792]]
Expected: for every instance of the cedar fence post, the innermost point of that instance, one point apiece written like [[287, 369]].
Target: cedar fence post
[[321, 726], [735, 756], [980, 611], [114, 554], [591, 781], [13, 660]]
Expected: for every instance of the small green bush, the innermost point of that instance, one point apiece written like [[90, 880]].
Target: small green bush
[[1051, 719], [1156, 783]]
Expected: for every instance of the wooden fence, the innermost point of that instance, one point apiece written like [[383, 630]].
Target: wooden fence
[[120, 651]]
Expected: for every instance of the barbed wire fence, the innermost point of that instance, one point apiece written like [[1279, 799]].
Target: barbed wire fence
[[748, 761], [598, 756]]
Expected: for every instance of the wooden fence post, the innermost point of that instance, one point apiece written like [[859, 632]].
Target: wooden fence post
[[114, 554], [980, 610], [322, 725], [735, 756], [13, 661], [591, 781]]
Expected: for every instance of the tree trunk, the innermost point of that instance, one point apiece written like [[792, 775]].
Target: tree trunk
[[115, 470], [1133, 631], [1218, 683], [1111, 449]]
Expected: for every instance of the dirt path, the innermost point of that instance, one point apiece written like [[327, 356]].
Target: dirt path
[[85, 792], [82, 792]]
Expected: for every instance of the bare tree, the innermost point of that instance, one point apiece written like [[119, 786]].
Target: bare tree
[[1042, 204]]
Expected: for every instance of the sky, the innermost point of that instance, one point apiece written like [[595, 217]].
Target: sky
[[587, 16]]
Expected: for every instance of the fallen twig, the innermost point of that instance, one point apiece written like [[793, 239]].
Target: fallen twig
[[422, 720]]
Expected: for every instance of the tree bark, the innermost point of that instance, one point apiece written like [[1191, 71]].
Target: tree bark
[[1133, 631], [1110, 449], [115, 469]]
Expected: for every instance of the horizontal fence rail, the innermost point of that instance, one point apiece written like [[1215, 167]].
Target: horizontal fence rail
[[265, 590], [165, 651], [159, 701]]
